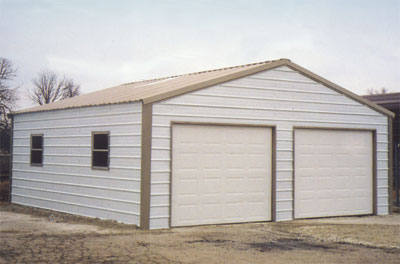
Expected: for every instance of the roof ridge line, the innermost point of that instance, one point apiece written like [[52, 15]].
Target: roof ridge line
[[200, 72]]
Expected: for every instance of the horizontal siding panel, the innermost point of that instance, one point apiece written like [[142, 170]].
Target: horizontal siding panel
[[83, 130], [285, 205], [121, 183], [162, 164], [381, 137], [159, 223], [100, 174], [382, 164], [284, 175], [264, 116], [157, 201], [71, 166], [80, 161], [161, 154], [383, 191], [383, 181], [61, 206], [111, 173], [283, 195], [81, 111], [279, 74], [160, 188], [160, 177], [284, 216], [284, 185], [161, 142], [105, 120], [382, 173], [383, 210], [284, 144], [85, 141], [108, 116], [127, 150], [76, 198], [160, 212], [103, 191], [285, 154], [278, 104]]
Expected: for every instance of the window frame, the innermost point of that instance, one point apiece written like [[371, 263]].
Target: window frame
[[100, 150], [32, 149]]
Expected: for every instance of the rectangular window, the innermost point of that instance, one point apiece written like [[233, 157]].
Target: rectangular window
[[100, 150], [37, 150]]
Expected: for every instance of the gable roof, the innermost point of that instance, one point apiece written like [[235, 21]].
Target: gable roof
[[150, 91]]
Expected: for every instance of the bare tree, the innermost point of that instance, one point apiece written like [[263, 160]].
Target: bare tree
[[48, 88], [8, 94], [70, 89], [383, 90]]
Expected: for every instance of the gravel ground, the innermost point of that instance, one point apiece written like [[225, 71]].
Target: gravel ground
[[30, 235]]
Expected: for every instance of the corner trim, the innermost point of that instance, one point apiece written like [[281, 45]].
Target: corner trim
[[390, 157], [374, 174], [11, 156], [273, 174], [147, 115]]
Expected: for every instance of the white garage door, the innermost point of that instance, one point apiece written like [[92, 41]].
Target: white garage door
[[220, 174], [333, 173]]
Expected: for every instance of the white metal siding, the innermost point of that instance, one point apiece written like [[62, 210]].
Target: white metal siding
[[280, 97], [66, 182]]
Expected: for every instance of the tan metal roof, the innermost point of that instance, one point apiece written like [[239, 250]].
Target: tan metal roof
[[150, 91]]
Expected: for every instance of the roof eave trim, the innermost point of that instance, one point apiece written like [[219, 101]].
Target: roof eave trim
[[72, 107]]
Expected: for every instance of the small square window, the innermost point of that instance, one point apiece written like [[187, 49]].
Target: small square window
[[100, 150], [37, 150]]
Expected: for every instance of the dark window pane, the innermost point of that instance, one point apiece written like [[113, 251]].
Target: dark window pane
[[37, 142], [100, 141], [36, 157], [100, 159]]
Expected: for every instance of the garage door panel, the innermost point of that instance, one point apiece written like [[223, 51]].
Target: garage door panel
[[333, 173], [230, 174]]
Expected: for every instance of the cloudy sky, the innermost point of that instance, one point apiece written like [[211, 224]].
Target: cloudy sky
[[99, 44]]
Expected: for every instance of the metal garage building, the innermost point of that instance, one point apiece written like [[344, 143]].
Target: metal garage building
[[268, 141]]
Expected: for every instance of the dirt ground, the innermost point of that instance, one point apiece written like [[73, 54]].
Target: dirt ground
[[30, 235]]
